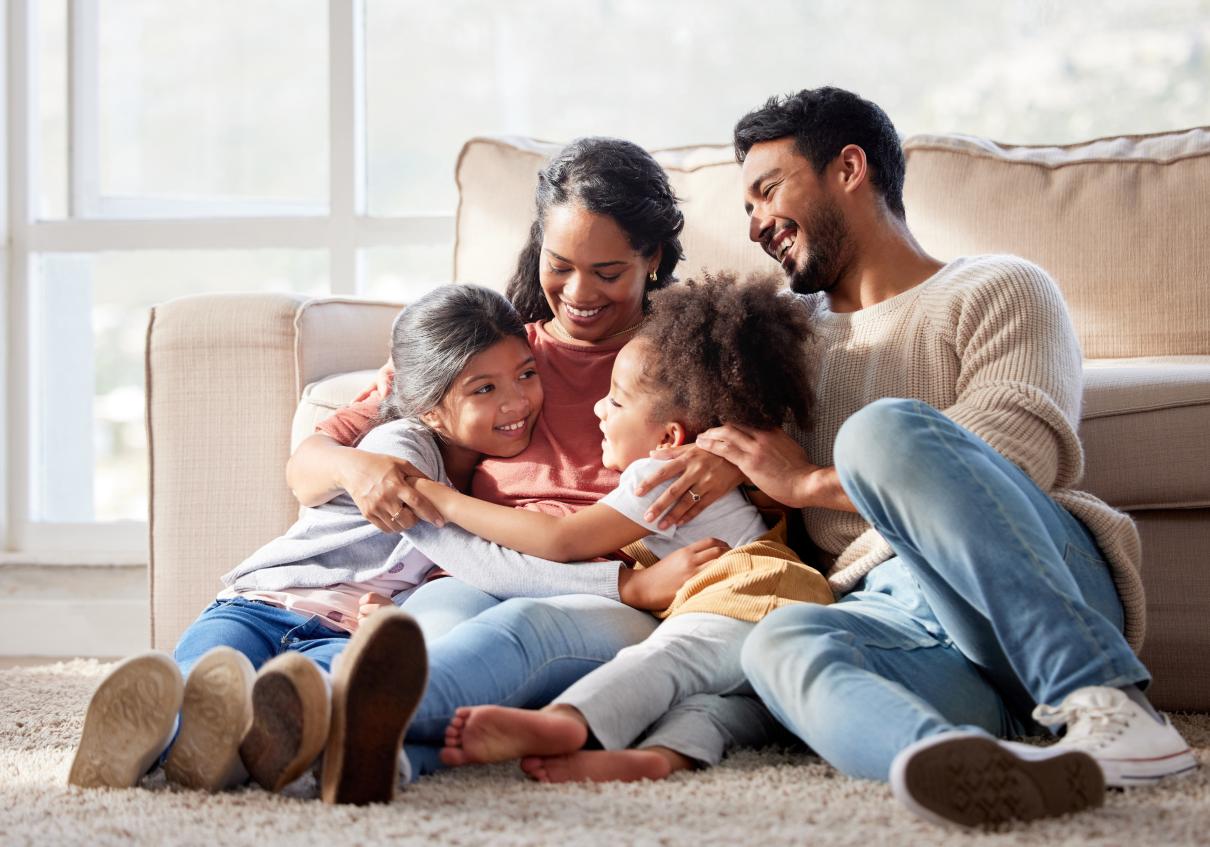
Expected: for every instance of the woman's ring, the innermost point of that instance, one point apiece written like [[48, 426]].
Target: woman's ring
[[694, 496], [396, 515]]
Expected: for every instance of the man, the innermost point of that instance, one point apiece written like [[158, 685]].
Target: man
[[974, 583]]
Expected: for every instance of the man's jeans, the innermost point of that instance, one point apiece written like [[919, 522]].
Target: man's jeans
[[997, 599]]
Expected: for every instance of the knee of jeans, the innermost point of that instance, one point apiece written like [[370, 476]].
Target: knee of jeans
[[524, 618], [802, 634], [880, 441]]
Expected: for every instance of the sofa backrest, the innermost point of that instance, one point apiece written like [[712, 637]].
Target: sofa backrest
[[1121, 223]]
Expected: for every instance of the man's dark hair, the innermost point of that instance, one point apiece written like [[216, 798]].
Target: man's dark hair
[[822, 122], [721, 351]]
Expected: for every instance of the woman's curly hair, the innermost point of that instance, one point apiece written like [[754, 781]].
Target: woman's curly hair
[[724, 351]]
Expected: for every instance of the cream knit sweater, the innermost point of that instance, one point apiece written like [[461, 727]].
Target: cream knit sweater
[[988, 341]]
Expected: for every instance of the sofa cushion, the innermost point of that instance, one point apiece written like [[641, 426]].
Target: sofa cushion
[[323, 397], [1139, 415], [1146, 431], [1120, 223]]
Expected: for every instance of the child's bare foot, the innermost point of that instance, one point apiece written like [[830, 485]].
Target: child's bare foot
[[599, 766], [481, 734]]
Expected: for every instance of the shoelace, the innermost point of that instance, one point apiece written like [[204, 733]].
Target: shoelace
[[1089, 725]]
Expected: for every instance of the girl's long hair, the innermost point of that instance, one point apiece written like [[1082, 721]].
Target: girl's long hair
[[434, 339]]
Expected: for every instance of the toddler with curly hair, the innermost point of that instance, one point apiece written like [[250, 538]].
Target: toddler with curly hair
[[711, 352]]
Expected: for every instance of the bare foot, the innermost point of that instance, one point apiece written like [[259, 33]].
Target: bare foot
[[481, 734], [598, 766]]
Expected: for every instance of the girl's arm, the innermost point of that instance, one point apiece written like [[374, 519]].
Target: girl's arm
[[595, 531]]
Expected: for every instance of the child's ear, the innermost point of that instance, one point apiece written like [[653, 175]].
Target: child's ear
[[674, 435], [432, 419]]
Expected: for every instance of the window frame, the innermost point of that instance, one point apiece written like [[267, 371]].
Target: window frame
[[97, 224]]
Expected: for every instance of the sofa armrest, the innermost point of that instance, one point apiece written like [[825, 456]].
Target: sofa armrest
[[224, 375]]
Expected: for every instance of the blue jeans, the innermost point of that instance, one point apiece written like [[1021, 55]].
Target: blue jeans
[[996, 599], [260, 632], [518, 652]]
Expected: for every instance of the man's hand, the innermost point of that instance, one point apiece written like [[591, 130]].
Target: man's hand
[[700, 480], [368, 604], [655, 587], [382, 383], [380, 487], [770, 459]]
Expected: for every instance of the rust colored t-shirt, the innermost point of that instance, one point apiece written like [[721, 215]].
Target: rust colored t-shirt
[[560, 471]]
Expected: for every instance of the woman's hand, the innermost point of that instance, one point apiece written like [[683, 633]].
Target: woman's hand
[[368, 604], [380, 487], [701, 478], [382, 383], [655, 587]]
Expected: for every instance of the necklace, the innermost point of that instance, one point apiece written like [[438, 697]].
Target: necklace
[[557, 329]]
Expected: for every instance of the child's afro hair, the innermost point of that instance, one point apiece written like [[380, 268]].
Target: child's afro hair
[[724, 351]]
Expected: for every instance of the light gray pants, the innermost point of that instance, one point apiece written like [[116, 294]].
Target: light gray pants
[[671, 683]]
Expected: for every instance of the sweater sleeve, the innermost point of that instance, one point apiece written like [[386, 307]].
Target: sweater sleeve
[[349, 424], [506, 573], [1020, 370]]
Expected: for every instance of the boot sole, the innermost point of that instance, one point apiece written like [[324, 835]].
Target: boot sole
[[291, 714], [972, 781], [376, 689], [129, 722], [215, 716]]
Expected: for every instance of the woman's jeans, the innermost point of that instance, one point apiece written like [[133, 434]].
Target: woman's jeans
[[525, 652], [996, 599]]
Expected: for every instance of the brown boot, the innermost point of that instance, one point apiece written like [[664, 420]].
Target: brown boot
[[215, 715], [291, 712], [377, 684], [129, 722]]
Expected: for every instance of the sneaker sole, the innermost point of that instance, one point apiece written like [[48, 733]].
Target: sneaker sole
[[129, 722], [291, 711], [377, 686], [215, 715], [972, 781]]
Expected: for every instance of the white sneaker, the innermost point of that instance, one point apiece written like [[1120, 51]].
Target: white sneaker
[[972, 779], [1131, 747]]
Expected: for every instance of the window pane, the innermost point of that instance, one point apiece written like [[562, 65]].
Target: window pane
[[404, 273], [89, 326], [51, 109], [212, 100], [682, 72]]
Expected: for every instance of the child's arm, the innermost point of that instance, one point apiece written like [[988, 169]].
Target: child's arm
[[595, 531]]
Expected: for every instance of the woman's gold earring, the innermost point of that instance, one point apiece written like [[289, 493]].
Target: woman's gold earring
[[651, 277]]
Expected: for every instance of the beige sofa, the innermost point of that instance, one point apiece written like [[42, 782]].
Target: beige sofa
[[1123, 224]]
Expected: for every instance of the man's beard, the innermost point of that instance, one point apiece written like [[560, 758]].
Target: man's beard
[[828, 254]]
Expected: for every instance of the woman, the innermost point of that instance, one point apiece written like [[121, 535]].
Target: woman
[[605, 234]]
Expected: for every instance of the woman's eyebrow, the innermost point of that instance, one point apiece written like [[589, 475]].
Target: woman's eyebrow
[[594, 264]]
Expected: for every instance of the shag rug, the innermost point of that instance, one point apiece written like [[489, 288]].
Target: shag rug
[[763, 798]]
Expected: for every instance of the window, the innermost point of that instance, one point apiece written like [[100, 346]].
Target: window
[[150, 160], [164, 148]]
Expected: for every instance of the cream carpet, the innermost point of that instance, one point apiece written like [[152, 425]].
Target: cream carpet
[[756, 798]]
